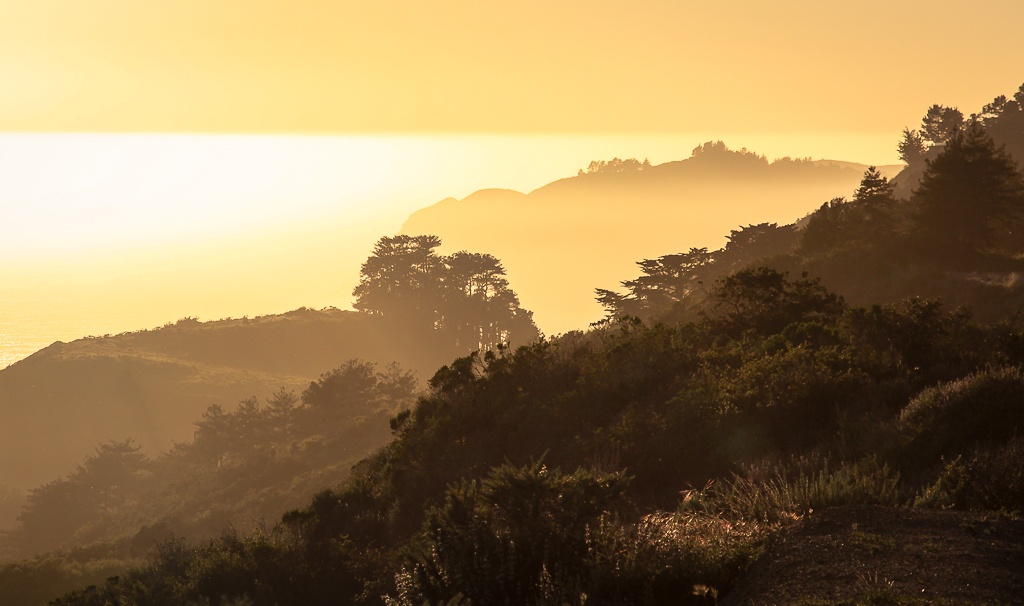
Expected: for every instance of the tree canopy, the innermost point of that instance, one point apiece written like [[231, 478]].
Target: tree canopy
[[941, 123], [972, 195], [912, 147], [462, 298]]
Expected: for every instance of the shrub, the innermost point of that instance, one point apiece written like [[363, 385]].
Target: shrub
[[667, 556], [991, 478], [952, 417], [778, 495], [517, 537]]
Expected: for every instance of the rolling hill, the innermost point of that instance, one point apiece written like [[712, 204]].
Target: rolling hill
[[59, 404]]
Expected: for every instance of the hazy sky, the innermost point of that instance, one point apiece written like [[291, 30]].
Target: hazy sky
[[728, 66]]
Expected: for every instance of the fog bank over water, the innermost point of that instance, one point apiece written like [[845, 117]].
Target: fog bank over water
[[109, 233]]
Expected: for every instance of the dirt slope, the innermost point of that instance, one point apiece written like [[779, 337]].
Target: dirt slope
[[876, 555]]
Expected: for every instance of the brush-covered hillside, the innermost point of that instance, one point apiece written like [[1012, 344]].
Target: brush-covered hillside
[[59, 404], [153, 386], [638, 463], [561, 240]]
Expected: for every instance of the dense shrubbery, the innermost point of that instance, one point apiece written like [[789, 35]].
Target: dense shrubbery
[[990, 477], [787, 491], [42, 578], [725, 400], [519, 536], [951, 417]]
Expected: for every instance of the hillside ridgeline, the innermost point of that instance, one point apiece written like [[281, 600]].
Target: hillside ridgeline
[[562, 239], [153, 386]]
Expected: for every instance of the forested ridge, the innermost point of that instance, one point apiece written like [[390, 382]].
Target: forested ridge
[[871, 354]]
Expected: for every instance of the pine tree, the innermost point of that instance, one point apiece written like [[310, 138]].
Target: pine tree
[[971, 197], [912, 148], [873, 186], [941, 123]]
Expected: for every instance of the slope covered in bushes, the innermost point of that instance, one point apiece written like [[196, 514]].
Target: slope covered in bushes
[[576, 449]]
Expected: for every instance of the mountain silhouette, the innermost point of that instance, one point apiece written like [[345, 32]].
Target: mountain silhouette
[[560, 241]]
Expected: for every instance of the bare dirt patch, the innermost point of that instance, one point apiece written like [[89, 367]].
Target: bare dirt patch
[[878, 555]]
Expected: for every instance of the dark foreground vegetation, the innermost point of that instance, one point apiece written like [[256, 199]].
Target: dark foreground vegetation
[[654, 457], [553, 473]]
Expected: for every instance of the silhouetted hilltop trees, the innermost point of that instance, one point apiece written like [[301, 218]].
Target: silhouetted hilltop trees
[[1002, 120], [959, 238], [971, 198], [940, 124], [912, 147], [866, 220], [615, 166], [462, 298]]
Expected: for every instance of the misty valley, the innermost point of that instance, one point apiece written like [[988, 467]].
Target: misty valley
[[501, 418]]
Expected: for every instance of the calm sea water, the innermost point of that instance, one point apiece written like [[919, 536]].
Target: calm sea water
[[22, 336], [26, 326]]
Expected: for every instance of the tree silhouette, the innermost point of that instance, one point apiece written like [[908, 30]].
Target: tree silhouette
[[826, 226], [665, 281], [400, 279], [912, 148], [875, 203], [753, 243], [479, 309], [212, 437], [765, 301], [1003, 120], [615, 166], [941, 123], [463, 299], [971, 196], [105, 479], [873, 186]]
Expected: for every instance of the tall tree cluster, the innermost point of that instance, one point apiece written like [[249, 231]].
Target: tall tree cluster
[[463, 298], [971, 197], [1002, 119]]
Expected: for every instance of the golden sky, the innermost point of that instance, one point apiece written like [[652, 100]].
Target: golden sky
[[480, 66]]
